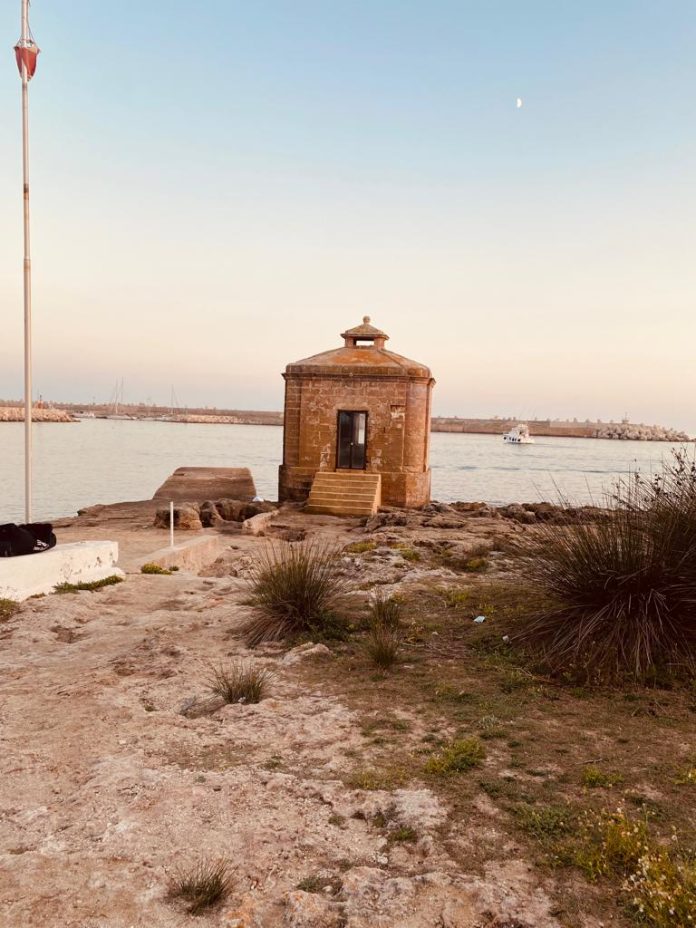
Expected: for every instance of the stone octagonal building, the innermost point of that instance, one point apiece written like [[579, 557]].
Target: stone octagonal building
[[357, 427]]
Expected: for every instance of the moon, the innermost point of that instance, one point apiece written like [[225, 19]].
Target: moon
[[518, 103]]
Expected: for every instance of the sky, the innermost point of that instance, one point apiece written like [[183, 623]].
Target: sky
[[220, 188]]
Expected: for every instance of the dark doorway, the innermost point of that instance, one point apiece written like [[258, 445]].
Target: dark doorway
[[352, 440]]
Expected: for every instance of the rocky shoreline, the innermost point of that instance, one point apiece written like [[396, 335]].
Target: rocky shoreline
[[16, 414]]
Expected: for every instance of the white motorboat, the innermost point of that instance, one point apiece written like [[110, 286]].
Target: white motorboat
[[519, 435]]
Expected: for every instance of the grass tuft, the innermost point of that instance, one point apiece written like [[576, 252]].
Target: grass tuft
[[203, 886], [408, 553], [240, 682], [360, 547], [458, 756], [152, 568], [8, 607], [385, 610], [372, 779], [90, 587], [593, 777], [383, 646], [455, 598], [295, 589], [384, 634], [546, 823]]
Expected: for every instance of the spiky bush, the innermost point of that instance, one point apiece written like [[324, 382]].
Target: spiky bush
[[383, 645], [295, 589], [384, 610], [620, 593], [240, 682], [203, 886], [384, 630]]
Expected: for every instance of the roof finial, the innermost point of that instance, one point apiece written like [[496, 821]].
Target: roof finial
[[366, 320]]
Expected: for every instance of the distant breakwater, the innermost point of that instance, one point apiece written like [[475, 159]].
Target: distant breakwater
[[559, 428], [16, 414], [550, 428]]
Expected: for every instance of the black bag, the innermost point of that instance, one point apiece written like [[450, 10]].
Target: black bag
[[16, 540]]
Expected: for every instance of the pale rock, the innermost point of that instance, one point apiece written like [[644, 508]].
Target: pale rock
[[309, 650], [258, 524], [308, 910], [370, 893]]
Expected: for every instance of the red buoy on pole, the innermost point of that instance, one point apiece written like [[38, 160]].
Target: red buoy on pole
[[26, 53]]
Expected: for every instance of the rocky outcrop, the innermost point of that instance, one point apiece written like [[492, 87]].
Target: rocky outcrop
[[454, 515], [16, 414], [193, 516]]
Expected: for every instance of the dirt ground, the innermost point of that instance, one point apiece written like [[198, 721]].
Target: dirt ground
[[118, 772]]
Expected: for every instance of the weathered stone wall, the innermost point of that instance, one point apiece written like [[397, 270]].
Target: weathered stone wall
[[398, 428]]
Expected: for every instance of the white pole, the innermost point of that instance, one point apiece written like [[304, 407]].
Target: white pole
[[171, 525], [27, 276]]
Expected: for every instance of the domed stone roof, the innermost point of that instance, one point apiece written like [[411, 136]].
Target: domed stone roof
[[363, 354]]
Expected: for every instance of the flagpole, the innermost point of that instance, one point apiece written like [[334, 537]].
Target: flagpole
[[26, 52]]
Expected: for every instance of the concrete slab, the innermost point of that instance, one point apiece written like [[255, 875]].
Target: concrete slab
[[192, 554], [37, 574], [197, 484]]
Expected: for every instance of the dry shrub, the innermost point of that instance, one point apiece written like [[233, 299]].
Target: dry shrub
[[621, 592], [240, 682], [384, 610], [384, 630], [383, 645], [295, 589], [203, 886]]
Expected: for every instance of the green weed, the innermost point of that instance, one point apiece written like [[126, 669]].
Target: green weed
[[458, 756], [152, 568], [8, 607], [360, 547], [593, 777], [91, 586]]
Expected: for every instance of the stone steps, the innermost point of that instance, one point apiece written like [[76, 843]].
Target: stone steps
[[345, 493]]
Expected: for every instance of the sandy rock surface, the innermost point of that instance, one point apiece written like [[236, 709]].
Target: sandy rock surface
[[118, 769]]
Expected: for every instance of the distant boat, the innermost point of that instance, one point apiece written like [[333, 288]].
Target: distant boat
[[519, 435]]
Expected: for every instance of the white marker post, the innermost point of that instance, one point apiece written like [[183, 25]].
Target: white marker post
[[171, 524]]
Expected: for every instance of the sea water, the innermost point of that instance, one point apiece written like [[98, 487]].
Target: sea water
[[108, 461]]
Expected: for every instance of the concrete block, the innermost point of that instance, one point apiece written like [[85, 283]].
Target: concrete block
[[37, 574], [193, 554]]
